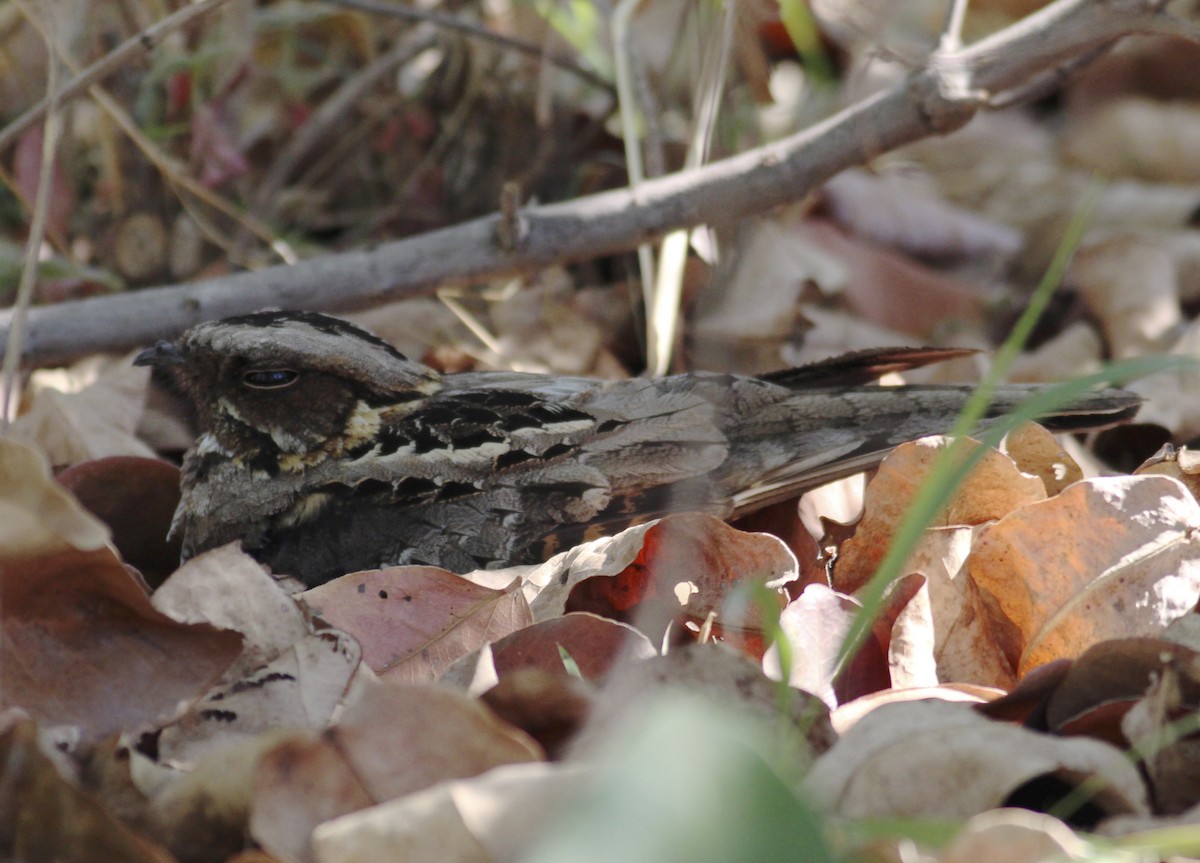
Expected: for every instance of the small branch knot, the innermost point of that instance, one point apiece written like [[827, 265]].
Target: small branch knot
[[511, 227]]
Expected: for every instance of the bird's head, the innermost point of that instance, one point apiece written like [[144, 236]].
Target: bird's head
[[292, 382]]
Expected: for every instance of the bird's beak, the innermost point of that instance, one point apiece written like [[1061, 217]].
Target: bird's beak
[[162, 354]]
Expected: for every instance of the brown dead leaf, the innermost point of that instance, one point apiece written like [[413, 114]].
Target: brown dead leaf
[[1182, 464], [298, 784], [888, 289], [689, 565], [1036, 451], [945, 634], [98, 420], [394, 740], [816, 623], [413, 622], [965, 765], [288, 676], [1014, 836], [994, 488], [593, 643], [136, 498], [1106, 558], [491, 817], [548, 707], [715, 672], [46, 817], [848, 714], [80, 642], [1102, 685], [1171, 758]]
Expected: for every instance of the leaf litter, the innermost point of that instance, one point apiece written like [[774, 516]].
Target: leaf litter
[[1041, 641]]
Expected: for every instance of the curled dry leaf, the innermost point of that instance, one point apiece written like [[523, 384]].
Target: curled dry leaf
[[994, 488], [966, 764], [136, 497], [1107, 558], [1182, 464], [592, 643], [945, 633], [1109, 678], [1171, 758], [393, 740], [288, 676], [1014, 836], [1036, 451], [46, 817], [693, 569], [80, 642], [847, 715], [816, 623], [413, 622], [493, 817]]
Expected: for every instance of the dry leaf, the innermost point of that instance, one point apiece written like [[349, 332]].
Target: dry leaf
[[45, 817], [887, 289], [96, 421], [549, 707], [136, 498], [993, 488], [933, 759], [1170, 757], [945, 634], [1182, 464], [413, 622], [1106, 558], [394, 740], [1035, 451], [80, 642], [493, 817], [715, 672], [847, 715], [1014, 836], [693, 569]]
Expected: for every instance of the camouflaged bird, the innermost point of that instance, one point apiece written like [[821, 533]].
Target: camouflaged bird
[[326, 451]]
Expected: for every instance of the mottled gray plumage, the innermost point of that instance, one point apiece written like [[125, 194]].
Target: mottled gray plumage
[[325, 451]]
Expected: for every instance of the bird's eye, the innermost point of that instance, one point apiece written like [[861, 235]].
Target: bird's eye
[[270, 379]]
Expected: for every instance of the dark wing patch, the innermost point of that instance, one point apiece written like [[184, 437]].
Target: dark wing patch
[[861, 367]]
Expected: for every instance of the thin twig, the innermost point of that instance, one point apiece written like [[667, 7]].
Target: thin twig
[[37, 223], [141, 43]]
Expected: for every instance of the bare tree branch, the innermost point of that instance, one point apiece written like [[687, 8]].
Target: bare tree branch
[[935, 100]]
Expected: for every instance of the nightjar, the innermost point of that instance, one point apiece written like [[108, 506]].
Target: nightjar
[[325, 451]]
